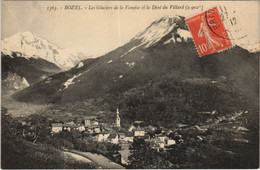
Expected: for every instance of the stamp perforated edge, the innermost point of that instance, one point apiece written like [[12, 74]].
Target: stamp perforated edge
[[225, 26]]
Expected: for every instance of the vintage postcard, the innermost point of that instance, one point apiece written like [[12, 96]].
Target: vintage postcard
[[130, 84]]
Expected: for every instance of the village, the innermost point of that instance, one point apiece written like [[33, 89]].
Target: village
[[116, 140], [115, 134], [119, 142]]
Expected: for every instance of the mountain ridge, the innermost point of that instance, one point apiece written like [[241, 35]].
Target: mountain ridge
[[28, 45], [159, 50]]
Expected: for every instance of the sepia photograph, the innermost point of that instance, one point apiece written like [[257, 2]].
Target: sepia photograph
[[130, 84]]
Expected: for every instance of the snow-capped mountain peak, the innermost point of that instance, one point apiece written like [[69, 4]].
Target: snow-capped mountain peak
[[28, 45], [161, 27]]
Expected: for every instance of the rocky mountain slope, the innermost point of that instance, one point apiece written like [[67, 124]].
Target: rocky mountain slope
[[14, 82], [30, 70]]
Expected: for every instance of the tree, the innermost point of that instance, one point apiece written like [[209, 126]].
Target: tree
[[40, 126], [10, 128], [144, 157]]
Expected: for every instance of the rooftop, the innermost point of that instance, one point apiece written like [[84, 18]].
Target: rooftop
[[56, 124], [139, 129], [112, 136]]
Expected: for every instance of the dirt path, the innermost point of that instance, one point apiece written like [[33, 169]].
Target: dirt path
[[78, 157], [100, 160]]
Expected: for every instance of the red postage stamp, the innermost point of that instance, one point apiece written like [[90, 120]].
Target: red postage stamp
[[209, 32]]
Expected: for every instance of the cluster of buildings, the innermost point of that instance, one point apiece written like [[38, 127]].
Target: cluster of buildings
[[88, 126], [114, 133], [100, 132]]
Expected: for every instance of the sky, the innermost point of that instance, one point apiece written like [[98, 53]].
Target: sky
[[96, 32]]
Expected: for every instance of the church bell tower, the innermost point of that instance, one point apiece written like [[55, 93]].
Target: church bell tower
[[117, 118]]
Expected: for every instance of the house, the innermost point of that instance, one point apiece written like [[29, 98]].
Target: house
[[156, 144], [90, 117], [161, 144], [66, 127], [170, 142], [113, 138], [87, 122], [139, 132], [169, 132], [92, 129], [95, 123], [80, 127], [71, 123], [89, 130], [152, 128], [145, 137], [163, 130], [152, 141], [124, 154], [138, 122], [96, 130], [56, 127], [131, 128], [101, 137], [129, 139], [121, 136], [162, 138]]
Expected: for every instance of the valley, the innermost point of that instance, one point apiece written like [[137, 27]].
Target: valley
[[20, 109], [151, 103]]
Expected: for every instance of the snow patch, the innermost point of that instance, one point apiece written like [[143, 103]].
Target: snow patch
[[169, 41], [132, 64], [25, 82], [158, 29], [110, 61], [71, 81], [156, 32], [81, 64], [87, 70], [133, 48], [16, 87], [43, 77], [184, 36], [47, 82]]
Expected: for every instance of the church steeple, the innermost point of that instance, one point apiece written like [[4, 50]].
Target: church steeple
[[117, 118]]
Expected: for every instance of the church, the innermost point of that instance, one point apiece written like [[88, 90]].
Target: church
[[118, 124]]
